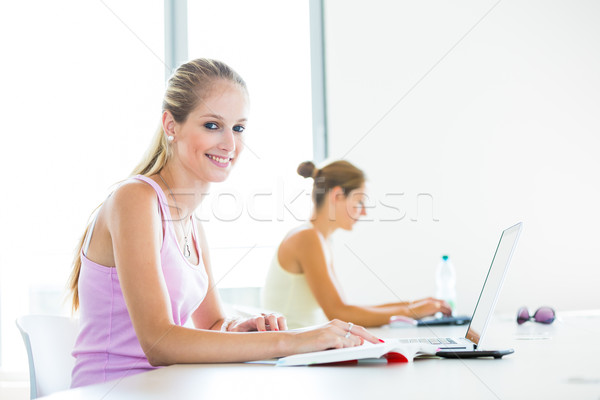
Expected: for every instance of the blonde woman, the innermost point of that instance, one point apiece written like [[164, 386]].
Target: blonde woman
[[301, 281], [143, 267]]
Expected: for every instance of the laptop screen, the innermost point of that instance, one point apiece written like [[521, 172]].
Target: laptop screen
[[493, 283]]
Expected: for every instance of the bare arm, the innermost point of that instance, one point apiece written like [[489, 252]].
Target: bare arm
[[135, 227], [311, 256], [399, 303]]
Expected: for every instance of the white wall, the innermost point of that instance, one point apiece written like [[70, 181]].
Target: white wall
[[498, 126], [81, 99]]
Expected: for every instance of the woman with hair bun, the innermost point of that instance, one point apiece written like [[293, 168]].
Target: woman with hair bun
[[301, 281]]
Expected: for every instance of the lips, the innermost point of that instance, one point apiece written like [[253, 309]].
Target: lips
[[219, 161]]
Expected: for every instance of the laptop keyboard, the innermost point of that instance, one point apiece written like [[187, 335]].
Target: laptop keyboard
[[429, 341]]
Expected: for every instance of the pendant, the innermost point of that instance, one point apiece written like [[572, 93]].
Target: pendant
[[186, 250]]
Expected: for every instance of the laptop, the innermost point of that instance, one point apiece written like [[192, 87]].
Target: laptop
[[475, 335], [440, 321]]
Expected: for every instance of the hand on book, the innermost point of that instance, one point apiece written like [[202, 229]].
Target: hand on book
[[392, 351], [335, 334]]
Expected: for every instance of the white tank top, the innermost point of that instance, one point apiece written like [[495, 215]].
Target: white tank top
[[289, 294]]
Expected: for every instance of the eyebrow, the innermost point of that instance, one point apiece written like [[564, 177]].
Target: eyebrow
[[217, 116]]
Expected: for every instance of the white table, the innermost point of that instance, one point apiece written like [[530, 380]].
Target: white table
[[554, 361]]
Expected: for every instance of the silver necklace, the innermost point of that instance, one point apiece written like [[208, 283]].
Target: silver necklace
[[186, 247]]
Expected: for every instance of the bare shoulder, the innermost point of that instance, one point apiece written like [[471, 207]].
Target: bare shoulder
[[294, 248], [134, 199], [132, 209], [301, 240]]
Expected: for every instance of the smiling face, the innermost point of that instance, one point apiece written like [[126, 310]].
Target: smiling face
[[208, 143]]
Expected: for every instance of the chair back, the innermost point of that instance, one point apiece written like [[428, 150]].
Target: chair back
[[49, 341]]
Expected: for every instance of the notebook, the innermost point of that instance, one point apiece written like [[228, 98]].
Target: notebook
[[475, 335]]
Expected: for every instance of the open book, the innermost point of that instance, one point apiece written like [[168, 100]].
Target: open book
[[391, 351]]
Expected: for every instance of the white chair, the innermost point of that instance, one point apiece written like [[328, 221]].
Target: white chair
[[49, 341]]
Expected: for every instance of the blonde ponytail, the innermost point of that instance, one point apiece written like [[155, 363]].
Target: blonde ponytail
[[156, 156]]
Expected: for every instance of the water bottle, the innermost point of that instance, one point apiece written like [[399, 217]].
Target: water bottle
[[445, 282]]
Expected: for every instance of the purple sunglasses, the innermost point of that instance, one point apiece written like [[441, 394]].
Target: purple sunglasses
[[543, 315]]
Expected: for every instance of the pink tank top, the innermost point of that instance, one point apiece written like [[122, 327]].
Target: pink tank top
[[107, 347]]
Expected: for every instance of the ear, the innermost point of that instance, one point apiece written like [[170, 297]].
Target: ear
[[168, 123], [336, 193]]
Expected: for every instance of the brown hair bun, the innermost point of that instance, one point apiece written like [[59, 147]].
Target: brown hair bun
[[307, 169], [337, 173]]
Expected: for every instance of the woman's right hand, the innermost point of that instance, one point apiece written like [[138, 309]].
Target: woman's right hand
[[428, 306], [332, 335]]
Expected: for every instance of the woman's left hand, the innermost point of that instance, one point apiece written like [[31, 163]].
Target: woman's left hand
[[259, 323]]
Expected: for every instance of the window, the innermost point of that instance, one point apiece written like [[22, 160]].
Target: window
[[268, 43], [82, 93], [82, 87]]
